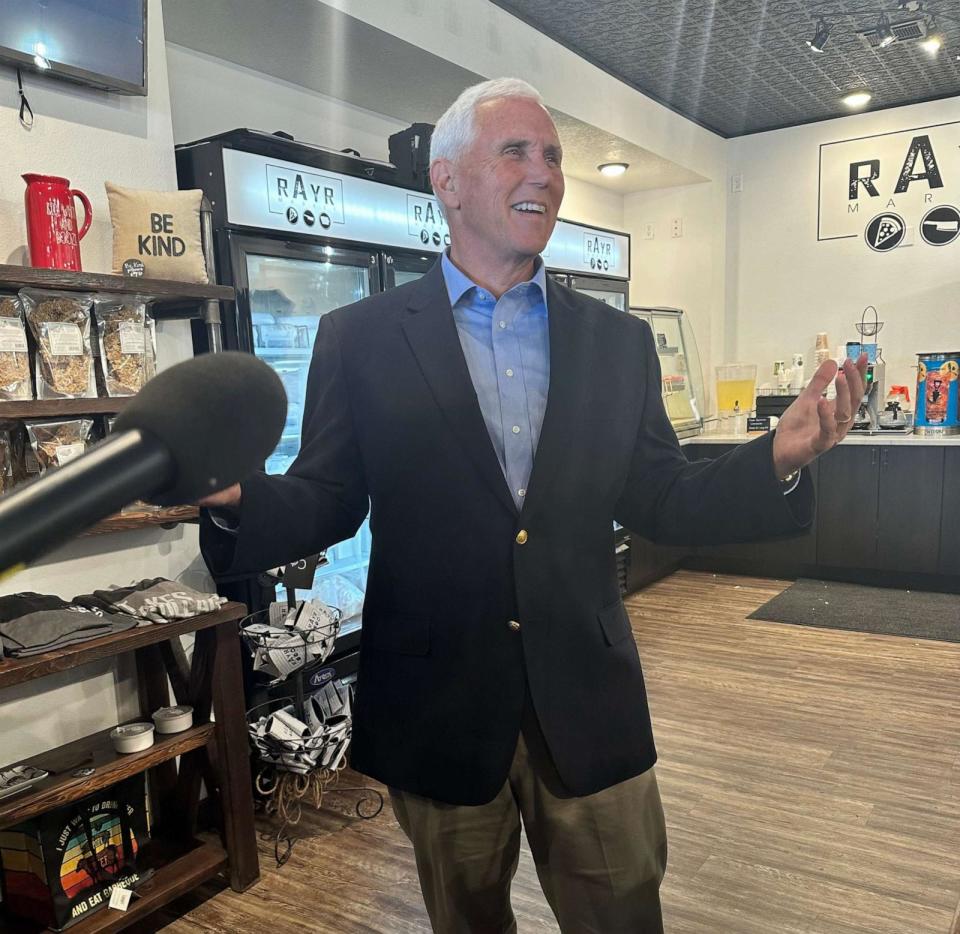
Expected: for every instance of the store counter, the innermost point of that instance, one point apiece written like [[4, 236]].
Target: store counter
[[888, 513]]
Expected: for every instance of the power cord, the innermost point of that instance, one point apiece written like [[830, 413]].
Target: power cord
[[25, 107]]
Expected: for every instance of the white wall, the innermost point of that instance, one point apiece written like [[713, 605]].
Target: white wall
[[210, 95], [89, 136], [784, 286], [683, 272]]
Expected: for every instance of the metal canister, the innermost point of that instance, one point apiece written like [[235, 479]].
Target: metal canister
[[938, 394]]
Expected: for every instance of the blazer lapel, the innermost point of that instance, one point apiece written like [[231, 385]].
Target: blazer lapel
[[571, 347], [432, 334]]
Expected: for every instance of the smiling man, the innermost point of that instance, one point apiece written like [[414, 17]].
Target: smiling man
[[495, 424]]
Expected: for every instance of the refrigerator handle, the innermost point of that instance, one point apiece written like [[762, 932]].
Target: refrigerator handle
[[211, 308]]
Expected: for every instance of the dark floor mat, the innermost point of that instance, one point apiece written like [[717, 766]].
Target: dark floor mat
[[916, 614]]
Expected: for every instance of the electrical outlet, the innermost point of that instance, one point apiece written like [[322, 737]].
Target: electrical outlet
[[676, 227], [736, 184], [649, 231]]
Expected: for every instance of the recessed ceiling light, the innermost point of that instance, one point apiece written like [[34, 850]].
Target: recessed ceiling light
[[932, 44], [858, 99], [613, 169], [820, 37]]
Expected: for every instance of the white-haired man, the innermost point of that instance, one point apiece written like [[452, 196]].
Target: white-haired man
[[497, 424]]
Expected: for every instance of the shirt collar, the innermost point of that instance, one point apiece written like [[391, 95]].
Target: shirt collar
[[458, 283]]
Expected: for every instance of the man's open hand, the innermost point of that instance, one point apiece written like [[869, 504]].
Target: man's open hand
[[225, 499], [813, 425]]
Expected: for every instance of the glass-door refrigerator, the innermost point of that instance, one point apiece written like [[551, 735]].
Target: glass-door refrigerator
[[681, 376]]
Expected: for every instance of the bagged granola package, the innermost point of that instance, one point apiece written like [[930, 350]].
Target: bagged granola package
[[15, 382], [125, 333], [60, 324], [55, 443]]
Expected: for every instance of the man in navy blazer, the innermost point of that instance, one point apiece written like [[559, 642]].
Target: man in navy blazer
[[495, 424]]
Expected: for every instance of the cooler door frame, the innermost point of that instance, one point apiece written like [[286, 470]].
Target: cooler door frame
[[241, 244], [586, 281], [392, 260]]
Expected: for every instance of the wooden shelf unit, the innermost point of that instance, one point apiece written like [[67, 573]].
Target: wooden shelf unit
[[171, 298], [214, 751], [165, 292]]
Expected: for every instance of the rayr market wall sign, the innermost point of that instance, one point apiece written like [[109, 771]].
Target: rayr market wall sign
[[893, 189]]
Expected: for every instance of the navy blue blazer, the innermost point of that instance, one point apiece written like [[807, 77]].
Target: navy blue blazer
[[392, 424]]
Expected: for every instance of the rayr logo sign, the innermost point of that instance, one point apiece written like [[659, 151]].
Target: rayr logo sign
[[306, 199], [879, 187], [599, 252], [426, 222]]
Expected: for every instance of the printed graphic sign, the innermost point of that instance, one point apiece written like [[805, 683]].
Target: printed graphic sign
[[879, 187], [271, 194]]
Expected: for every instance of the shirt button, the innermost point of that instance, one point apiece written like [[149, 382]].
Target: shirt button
[[521, 492], [522, 537], [516, 429], [509, 372], [514, 625], [503, 324]]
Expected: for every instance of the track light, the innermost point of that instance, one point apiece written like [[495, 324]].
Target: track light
[[820, 37], [884, 32]]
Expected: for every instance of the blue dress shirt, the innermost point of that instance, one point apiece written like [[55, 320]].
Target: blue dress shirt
[[506, 343]]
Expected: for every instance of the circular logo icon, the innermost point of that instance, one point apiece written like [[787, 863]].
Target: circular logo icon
[[325, 221], [424, 235], [436, 238], [446, 239], [941, 225], [292, 215], [133, 267], [606, 265], [885, 232], [308, 218]]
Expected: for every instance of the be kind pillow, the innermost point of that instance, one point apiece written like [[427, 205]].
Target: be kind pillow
[[159, 228]]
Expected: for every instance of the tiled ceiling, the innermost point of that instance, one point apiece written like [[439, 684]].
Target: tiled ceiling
[[742, 66]]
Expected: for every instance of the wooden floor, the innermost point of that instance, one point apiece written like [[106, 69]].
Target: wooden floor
[[810, 777]]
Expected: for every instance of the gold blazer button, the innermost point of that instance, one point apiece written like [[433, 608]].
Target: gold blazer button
[[522, 537]]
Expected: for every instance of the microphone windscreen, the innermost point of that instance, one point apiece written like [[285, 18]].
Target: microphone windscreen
[[220, 414]]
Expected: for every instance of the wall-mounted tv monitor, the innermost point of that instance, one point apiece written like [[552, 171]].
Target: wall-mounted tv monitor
[[102, 43]]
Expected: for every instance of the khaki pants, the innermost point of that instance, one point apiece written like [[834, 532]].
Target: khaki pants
[[600, 858]]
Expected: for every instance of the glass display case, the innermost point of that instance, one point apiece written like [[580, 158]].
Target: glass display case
[[681, 375]]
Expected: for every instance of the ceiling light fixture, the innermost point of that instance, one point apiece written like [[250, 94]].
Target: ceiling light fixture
[[858, 99], [820, 36], [885, 32], [932, 44], [613, 169]]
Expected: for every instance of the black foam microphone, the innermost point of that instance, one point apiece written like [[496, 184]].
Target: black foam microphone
[[193, 429]]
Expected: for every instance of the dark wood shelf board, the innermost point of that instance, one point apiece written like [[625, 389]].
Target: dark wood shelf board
[[13, 278], [52, 408], [125, 521], [96, 752], [170, 880], [17, 670]]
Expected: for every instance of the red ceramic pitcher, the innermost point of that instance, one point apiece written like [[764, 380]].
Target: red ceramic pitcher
[[52, 233]]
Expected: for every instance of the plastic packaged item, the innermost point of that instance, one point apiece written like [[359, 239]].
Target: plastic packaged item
[[55, 443], [15, 382], [60, 323], [173, 719], [127, 348], [133, 737]]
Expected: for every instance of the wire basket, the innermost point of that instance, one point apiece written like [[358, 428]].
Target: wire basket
[[283, 644], [869, 328], [317, 738]]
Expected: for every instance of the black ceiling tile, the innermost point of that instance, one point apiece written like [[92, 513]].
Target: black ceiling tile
[[737, 66]]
